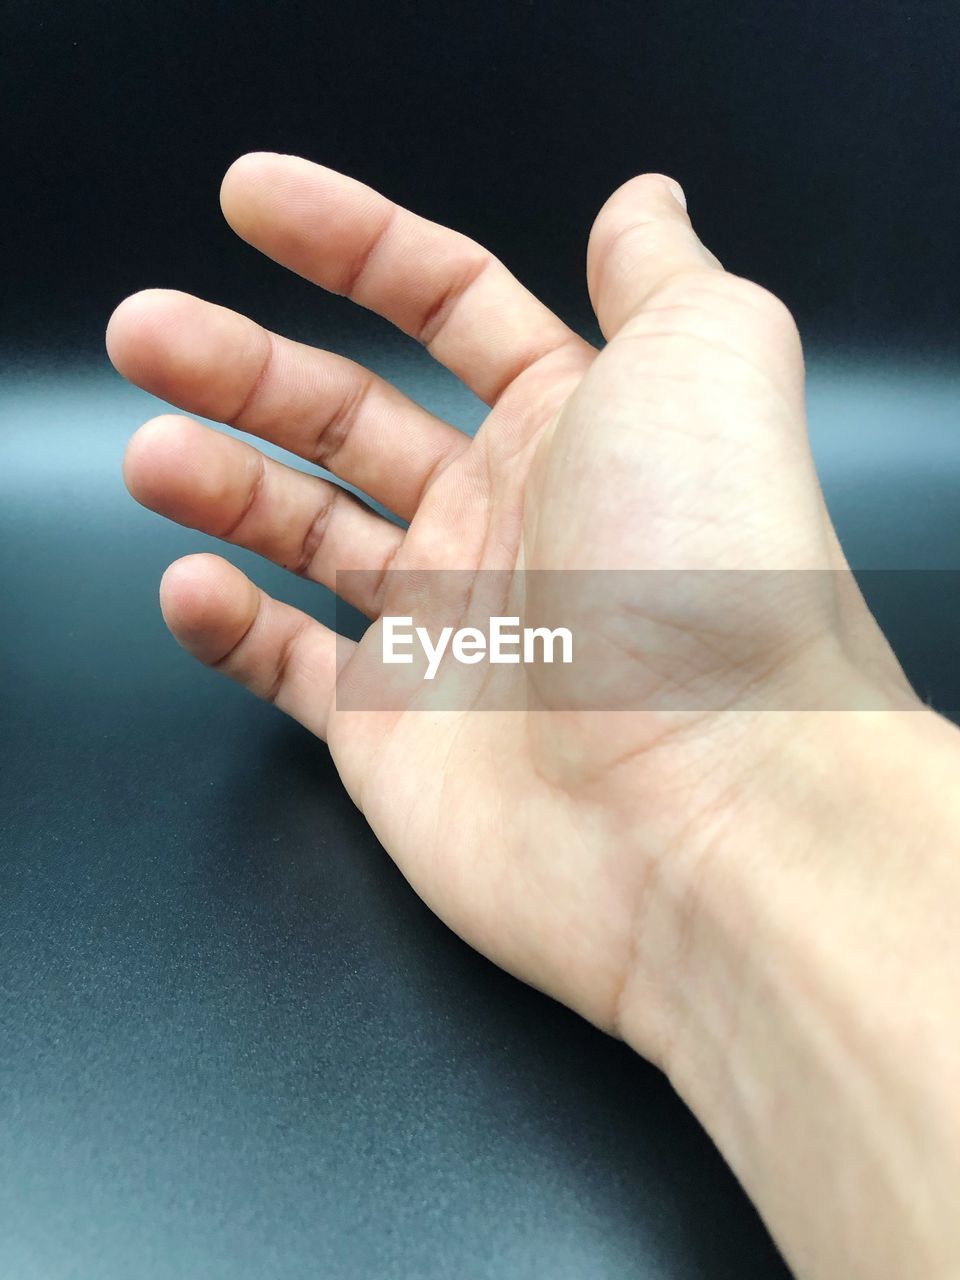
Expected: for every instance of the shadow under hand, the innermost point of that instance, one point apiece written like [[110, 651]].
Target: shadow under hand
[[420, 1111]]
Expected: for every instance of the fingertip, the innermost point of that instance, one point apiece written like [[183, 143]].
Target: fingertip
[[207, 604], [245, 175], [660, 183], [185, 597], [240, 168], [190, 586], [156, 450], [191, 473], [262, 189], [185, 350], [134, 324], [655, 192], [122, 323]]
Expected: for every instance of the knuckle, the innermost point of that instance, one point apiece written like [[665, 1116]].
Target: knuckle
[[690, 290], [725, 296], [773, 309]]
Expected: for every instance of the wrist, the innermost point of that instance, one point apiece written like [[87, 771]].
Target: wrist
[[813, 1025]]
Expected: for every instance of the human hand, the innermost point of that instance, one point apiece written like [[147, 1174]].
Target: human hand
[[762, 903], [564, 844]]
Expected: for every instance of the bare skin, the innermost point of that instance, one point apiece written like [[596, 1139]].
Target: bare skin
[[613, 860]]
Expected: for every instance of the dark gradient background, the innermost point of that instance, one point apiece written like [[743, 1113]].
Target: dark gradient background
[[232, 1042]]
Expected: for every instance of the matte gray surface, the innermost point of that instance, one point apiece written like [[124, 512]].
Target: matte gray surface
[[234, 1043]]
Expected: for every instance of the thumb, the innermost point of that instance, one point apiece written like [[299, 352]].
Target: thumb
[[641, 237]]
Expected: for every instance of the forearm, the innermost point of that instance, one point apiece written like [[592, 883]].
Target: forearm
[[817, 1033]]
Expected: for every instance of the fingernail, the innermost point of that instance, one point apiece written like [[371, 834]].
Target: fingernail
[[677, 192]]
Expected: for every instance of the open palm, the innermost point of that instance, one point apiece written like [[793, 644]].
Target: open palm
[[680, 446]]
